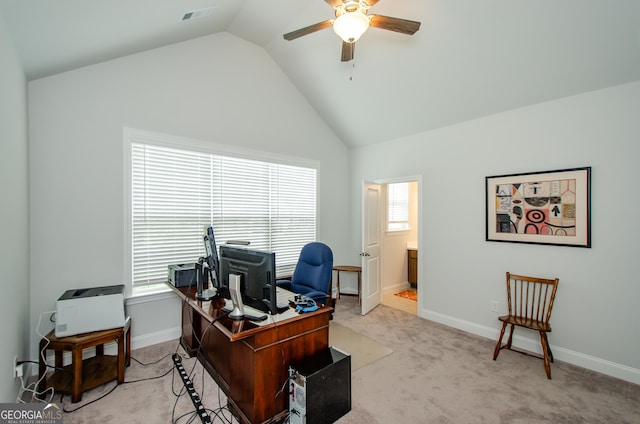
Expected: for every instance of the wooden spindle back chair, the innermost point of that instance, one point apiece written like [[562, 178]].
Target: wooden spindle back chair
[[529, 302]]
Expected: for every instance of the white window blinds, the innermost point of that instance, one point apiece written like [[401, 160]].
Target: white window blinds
[[177, 193], [398, 207]]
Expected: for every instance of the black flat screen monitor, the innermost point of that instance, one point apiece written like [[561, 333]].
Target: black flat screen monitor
[[257, 271], [212, 257]]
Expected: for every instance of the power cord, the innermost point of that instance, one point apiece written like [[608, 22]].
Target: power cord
[[157, 377], [36, 396], [218, 414], [151, 363], [200, 411]]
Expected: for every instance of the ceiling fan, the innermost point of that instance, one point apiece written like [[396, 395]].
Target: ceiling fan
[[352, 21]]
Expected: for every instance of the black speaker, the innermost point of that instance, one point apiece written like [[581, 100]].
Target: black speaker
[[320, 388]]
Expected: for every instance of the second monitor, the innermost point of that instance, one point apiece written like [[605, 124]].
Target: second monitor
[[257, 271]]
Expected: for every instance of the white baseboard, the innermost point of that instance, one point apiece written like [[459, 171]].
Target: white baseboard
[[155, 337], [396, 288], [589, 362]]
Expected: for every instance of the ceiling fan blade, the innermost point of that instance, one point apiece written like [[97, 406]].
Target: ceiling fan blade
[[334, 3], [347, 51], [307, 30], [403, 26], [371, 3]]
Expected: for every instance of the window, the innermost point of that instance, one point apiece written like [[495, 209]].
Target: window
[[176, 193], [398, 207]]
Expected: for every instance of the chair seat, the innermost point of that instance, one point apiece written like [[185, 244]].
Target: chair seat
[[526, 322]]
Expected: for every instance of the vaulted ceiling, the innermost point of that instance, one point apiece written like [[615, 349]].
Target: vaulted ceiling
[[470, 58]]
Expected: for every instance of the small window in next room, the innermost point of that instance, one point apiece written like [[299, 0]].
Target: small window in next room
[[398, 207]]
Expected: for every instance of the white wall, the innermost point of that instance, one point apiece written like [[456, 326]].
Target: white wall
[[14, 215], [596, 312], [216, 88]]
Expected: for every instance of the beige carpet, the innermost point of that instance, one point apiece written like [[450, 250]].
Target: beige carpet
[[153, 393], [435, 374], [362, 349]]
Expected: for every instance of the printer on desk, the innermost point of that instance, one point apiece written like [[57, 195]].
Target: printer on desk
[[91, 309]]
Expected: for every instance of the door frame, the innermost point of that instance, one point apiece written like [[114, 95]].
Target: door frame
[[418, 178]]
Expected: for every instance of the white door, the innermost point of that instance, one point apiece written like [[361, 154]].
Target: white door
[[371, 237]]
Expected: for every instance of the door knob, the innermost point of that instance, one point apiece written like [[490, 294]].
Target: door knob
[[365, 254]]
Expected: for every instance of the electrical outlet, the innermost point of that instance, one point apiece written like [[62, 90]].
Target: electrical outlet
[[17, 369], [495, 306]]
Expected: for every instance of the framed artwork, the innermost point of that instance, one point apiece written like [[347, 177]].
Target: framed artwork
[[552, 207]]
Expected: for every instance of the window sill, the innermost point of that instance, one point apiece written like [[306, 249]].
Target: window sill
[[398, 232], [150, 293]]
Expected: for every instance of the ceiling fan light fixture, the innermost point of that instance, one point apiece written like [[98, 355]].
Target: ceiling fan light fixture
[[351, 25]]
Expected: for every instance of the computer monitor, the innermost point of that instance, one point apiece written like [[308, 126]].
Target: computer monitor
[[211, 257], [210, 271], [257, 272]]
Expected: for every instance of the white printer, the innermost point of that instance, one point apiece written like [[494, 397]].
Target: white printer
[[91, 309]]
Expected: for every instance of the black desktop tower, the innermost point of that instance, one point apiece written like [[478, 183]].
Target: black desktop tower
[[320, 388], [182, 275]]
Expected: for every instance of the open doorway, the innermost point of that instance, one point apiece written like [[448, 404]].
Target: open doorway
[[399, 259], [385, 254]]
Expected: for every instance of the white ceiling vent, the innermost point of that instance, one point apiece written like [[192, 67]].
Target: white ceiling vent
[[195, 14]]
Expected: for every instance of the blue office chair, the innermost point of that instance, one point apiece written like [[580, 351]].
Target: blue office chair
[[313, 272]]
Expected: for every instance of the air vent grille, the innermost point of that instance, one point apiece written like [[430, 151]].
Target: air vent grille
[[195, 14]]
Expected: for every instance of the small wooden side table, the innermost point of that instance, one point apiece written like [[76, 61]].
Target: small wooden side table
[[82, 375], [348, 268]]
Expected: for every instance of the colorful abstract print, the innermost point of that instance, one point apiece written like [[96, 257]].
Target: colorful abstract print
[[545, 208]]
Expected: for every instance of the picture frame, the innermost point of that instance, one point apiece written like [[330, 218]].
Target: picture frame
[[550, 207]]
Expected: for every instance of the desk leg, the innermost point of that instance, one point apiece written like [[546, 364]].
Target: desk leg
[[190, 334], [121, 358], [76, 384], [42, 369], [127, 352]]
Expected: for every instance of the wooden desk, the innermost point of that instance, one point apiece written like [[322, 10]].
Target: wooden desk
[[82, 375], [250, 361]]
